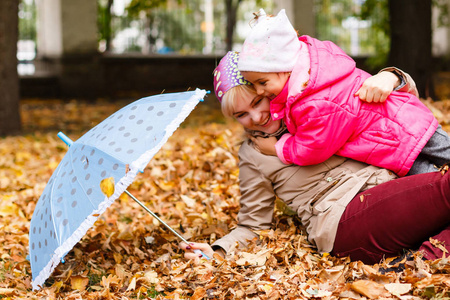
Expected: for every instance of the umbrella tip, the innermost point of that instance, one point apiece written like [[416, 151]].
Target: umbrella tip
[[207, 93], [65, 138]]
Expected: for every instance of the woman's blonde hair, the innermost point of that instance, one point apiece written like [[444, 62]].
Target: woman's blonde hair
[[230, 97]]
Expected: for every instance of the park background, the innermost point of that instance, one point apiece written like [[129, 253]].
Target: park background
[[66, 65]]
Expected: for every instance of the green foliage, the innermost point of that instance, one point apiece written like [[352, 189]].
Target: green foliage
[[137, 6], [174, 23], [377, 12], [27, 20], [336, 20], [152, 293], [443, 7], [104, 20], [95, 279], [126, 219]]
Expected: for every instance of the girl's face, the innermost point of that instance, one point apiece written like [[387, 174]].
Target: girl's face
[[267, 84], [253, 112]]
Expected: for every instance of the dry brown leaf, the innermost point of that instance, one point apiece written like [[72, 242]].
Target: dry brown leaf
[[369, 289], [7, 292], [256, 259], [398, 289], [199, 293]]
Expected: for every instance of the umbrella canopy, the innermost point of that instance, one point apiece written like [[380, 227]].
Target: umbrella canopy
[[119, 147]]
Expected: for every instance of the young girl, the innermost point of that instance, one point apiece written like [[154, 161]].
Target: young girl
[[393, 215], [312, 86]]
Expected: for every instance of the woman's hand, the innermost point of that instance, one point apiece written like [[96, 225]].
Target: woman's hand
[[378, 87], [189, 250], [265, 145]]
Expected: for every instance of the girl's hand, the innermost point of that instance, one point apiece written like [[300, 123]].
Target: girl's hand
[[189, 250], [265, 145], [378, 87]]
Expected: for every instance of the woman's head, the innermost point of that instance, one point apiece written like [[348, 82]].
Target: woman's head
[[227, 75], [250, 109], [239, 99]]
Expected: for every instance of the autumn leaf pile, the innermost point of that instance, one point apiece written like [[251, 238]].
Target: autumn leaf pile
[[192, 184]]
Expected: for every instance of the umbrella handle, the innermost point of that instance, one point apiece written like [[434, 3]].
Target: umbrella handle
[[200, 252]]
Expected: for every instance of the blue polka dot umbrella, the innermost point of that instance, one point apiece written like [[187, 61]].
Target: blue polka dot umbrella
[[120, 147]]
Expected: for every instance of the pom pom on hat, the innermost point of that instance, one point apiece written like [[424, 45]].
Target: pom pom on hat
[[227, 75], [271, 46]]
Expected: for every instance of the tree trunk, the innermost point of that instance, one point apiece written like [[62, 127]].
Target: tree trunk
[[9, 78], [231, 11], [410, 22]]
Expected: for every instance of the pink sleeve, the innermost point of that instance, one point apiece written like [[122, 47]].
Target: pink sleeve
[[322, 131], [279, 147]]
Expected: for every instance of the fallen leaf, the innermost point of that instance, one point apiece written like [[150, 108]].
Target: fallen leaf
[[6, 291], [132, 285], [398, 289], [199, 293], [107, 186], [258, 259], [369, 289], [151, 277], [79, 282]]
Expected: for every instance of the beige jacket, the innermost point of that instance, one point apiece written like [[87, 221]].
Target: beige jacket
[[318, 193]]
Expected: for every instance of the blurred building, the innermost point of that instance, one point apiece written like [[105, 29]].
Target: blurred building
[[85, 48]]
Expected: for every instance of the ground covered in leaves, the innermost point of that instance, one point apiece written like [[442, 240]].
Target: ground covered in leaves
[[192, 183]]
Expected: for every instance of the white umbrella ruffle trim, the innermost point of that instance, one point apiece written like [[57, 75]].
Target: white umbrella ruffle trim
[[120, 187]]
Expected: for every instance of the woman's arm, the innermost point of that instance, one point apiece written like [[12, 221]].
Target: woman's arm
[[257, 205], [407, 83], [257, 199], [378, 87]]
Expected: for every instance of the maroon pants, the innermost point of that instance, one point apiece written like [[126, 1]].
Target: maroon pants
[[396, 215]]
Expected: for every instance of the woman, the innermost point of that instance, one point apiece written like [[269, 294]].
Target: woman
[[348, 208]]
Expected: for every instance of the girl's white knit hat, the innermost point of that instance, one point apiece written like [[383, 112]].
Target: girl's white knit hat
[[272, 45]]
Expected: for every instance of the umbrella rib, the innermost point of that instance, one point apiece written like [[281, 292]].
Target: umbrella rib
[[156, 217]]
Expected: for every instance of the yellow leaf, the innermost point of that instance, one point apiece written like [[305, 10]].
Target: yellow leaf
[[117, 257], [9, 209], [167, 186], [79, 282], [266, 287], [107, 186], [57, 285]]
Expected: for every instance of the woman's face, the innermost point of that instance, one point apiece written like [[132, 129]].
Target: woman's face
[[253, 112]]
